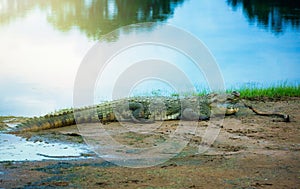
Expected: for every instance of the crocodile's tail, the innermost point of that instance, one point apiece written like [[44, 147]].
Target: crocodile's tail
[[64, 118], [48, 121]]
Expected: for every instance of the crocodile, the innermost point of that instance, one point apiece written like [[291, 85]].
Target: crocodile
[[142, 110]]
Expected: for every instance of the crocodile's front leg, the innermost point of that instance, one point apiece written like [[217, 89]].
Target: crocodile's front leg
[[130, 111], [138, 114]]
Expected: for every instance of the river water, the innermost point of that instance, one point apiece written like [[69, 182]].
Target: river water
[[14, 148], [44, 42]]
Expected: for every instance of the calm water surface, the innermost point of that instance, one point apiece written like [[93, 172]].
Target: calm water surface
[[44, 42], [14, 148]]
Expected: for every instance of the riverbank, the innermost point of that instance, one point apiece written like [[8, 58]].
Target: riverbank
[[250, 151]]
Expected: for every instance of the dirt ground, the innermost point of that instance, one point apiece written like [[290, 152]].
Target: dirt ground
[[249, 152]]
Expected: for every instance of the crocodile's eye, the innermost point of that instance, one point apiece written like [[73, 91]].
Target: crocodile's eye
[[236, 94]]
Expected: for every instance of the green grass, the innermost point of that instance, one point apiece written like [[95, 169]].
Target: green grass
[[252, 90], [257, 90], [247, 90], [274, 91]]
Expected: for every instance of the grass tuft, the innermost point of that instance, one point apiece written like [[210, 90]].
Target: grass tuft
[[273, 91], [248, 90]]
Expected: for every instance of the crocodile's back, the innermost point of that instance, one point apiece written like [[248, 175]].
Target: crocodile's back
[[135, 109]]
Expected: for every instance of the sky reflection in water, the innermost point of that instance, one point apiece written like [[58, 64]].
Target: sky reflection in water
[[43, 43]]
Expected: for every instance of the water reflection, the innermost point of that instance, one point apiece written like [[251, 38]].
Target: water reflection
[[92, 17], [44, 42], [271, 15], [39, 64]]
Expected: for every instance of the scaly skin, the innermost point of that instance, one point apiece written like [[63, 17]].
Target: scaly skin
[[137, 109]]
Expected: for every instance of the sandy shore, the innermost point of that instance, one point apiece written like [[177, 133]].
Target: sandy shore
[[249, 152]]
